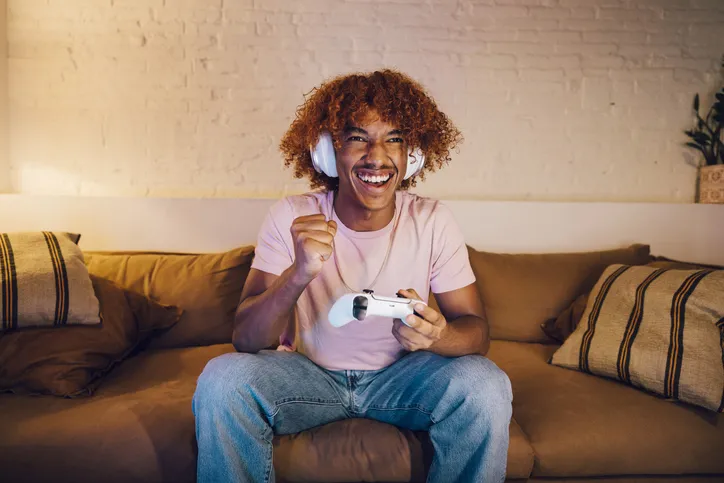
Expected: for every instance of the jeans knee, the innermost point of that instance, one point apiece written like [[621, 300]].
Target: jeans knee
[[482, 384], [210, 383], [223, 376]]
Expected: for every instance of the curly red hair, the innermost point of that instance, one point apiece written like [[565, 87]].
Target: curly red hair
[[398, 100]]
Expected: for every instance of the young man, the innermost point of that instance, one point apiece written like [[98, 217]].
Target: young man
[[364, 230]]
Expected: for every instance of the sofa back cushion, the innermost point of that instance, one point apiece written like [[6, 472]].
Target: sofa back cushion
[[207, 287], [522, 291], [71, 361], [566, 322]]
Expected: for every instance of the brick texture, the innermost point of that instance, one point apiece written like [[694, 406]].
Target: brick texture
[[557, 99]]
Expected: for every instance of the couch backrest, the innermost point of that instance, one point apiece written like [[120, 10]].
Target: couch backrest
[[573, 242], [520, 292], [206, 287]]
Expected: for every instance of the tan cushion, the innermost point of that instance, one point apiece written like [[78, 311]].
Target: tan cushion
[[137, 427], [561, 327], [71, 361], [367, 450], [206, 286], [43, 282], [657, 329], [582, 425], [522, 291]]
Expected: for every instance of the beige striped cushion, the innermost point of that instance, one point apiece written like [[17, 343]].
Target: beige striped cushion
[[657, 329], [44, 282]]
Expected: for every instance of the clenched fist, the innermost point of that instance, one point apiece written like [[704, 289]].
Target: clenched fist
[[312, 236]]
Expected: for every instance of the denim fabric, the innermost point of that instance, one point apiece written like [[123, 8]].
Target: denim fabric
[[243, 400]]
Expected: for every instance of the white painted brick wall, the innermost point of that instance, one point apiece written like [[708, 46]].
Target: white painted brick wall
[[5, 184], [557, 99]]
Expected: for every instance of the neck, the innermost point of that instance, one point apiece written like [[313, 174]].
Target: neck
[[359, 218]]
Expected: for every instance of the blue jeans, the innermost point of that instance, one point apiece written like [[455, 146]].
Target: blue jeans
[[242, 400]]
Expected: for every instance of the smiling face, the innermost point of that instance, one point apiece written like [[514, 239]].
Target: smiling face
[[371, 164]]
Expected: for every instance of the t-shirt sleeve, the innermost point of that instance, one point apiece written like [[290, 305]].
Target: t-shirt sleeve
[[273, 252], [450, 265]]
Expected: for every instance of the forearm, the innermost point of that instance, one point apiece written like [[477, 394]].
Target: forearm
[[463, 336], [260, 319]]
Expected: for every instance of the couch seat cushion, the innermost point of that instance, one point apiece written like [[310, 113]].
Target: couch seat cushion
[[582, 425], [365, 450], [139, 427]]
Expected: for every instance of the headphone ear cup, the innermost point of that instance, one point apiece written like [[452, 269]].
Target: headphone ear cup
[[415, 162], [323, 158]]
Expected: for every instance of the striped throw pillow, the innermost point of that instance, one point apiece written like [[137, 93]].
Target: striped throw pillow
[[44, 282], [658, 329]]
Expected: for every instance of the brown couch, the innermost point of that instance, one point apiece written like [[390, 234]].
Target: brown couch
[[567, 426]]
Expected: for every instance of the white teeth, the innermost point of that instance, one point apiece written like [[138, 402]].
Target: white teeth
[[373, 179]]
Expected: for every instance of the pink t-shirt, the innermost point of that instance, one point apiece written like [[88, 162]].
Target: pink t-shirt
[[426, 251]]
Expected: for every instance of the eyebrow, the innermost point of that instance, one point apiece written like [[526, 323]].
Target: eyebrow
[[359, 130]]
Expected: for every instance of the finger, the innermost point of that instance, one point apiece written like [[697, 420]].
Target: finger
[[421, 326], [323, 249], [423, 337], [332, 227], [314, 225], [429, 314], [318, 235], [409, 293], [423, 310], [306, 218], [403, 339]]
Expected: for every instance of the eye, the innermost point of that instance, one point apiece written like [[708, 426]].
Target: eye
[[357, 139], [396, 140]]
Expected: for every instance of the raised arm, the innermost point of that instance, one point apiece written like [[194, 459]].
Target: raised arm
[[267, 300]]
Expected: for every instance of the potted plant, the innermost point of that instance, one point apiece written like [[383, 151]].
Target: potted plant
[[707, 138]]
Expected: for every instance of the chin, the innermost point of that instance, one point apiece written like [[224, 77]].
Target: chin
[[375, 199]]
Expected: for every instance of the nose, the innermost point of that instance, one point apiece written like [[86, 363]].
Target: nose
[[376, 154]]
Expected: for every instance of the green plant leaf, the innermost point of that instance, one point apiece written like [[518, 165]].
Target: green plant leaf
[[696, 103], [702, 138], [695, 146]]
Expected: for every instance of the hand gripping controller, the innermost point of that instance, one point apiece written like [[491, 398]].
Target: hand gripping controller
[[358, 306]]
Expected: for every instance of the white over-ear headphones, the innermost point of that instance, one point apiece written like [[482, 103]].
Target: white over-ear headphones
[[325, 162]]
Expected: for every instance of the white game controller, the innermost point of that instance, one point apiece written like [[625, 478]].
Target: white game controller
[[358, 306]]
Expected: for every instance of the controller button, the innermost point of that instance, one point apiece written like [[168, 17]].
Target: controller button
[[359, 313], [359, 307]]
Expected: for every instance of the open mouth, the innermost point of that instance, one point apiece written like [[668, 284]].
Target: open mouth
[[375, 181]]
